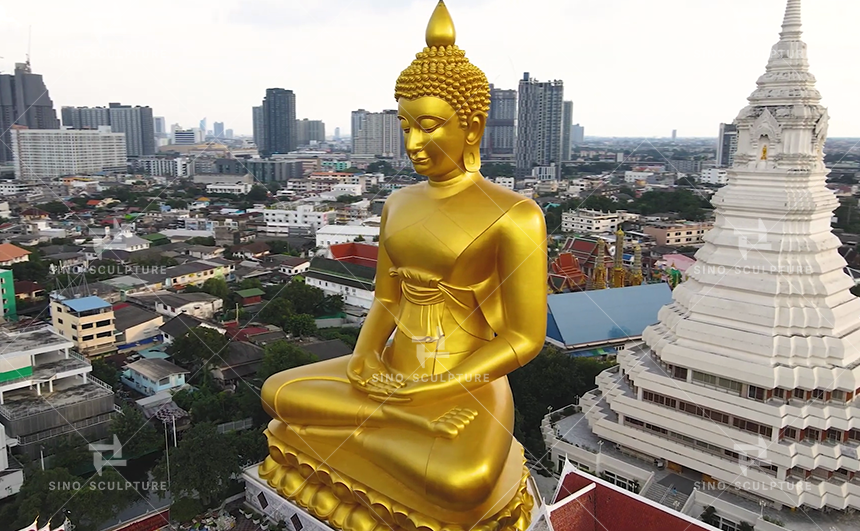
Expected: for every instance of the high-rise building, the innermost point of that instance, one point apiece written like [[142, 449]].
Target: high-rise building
[[539, 124], [359, 117], [203, 125], [500, 133], [750, 376], [137, 124], [158, 124], [308, 131], [187, 137], [577, 135], [44, 154], [567, 127], [337, 133], [24, 100], [727, 145], [379, 134], [228, 133], [7, 295], [259, 127], [674, 134], [85, 117], [218, 129], [279, 121]]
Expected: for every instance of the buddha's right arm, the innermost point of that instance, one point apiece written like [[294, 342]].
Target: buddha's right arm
[[380, 323]]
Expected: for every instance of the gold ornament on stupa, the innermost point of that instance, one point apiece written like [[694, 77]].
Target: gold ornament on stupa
[[413, 431]]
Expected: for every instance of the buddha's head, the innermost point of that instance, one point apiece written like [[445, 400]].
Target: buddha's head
[[443, 101]]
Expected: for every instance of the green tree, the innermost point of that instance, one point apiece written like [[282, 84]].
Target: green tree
[[709, 516], [105, 372], [257, 193], [208, 241], [197, 346], [497, 169], [217, 287], [381, 166], [69, 452], [185, 509], [280, 356], [202, 465], [35, 270], [276, 312], [250, 446], [136, 435], [348, 335], [54, 207], [302, 325]]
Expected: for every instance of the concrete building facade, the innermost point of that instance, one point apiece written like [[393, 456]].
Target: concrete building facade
[[45, 154]]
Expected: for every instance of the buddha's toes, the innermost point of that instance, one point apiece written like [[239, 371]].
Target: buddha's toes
[[453, 422]]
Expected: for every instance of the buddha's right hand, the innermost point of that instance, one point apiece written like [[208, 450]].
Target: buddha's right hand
[[363, 369]]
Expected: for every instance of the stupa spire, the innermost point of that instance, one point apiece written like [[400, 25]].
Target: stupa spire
[[791, 25]]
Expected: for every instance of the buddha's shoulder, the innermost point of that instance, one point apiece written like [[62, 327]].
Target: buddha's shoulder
[[506, 200]]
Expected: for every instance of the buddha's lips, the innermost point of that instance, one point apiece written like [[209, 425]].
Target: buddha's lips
[[419, 161]]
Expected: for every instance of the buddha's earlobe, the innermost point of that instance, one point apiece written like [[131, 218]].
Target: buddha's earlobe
[[474, 133]]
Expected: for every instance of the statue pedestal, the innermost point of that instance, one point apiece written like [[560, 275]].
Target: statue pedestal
[[266, 500]]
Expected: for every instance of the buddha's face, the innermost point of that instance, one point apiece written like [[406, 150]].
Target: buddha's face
[[435, 141]]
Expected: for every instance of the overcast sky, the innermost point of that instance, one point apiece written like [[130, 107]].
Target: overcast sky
[[632, 67]]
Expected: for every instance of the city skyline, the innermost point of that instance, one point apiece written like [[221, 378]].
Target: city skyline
[[642, 73]]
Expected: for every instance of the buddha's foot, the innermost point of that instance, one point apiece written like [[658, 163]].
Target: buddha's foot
[[453, 422], [349, 505]]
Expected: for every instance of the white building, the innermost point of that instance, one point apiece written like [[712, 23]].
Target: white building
[[187, 137], [546, 173], [15, 187], [751, 377], [335, 234], [281, 220], [227, 188], [175, 167], [377, 133], [633, 176], [508, 182], [714, 176], [594, 222], [44, 154]]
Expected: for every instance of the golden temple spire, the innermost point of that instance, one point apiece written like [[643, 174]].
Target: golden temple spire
[[618, 260], [599, 276], [440, 29], [637, 278]]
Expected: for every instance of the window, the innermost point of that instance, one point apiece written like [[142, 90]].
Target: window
[[87, 338], [854, 435], [756, 393], [86, 326], [297, 523], [813, 434], [779, 393], [106, 322], [104, 334], [790, 433], [838, 396], [799, 394], [818, 394], [834, 435], [679, 373], [60, 321]]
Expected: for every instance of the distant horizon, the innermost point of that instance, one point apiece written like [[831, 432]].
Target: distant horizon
[[633, 69]]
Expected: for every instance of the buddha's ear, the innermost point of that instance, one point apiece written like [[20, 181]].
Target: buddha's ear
[[475, 127]]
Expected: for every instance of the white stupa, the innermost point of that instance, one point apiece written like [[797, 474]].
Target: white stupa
[[751, 376]]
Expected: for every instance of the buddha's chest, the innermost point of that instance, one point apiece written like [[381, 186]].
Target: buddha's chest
[[449, 243]]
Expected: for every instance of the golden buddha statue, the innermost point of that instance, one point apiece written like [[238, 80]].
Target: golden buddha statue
[[414, 429]]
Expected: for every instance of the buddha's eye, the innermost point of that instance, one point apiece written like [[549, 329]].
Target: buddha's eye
[[428, 124]]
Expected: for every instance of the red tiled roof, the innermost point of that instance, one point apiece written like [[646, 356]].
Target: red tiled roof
[[606, 506], [9, 252], [27, 287], [356, 253], [94, 202]]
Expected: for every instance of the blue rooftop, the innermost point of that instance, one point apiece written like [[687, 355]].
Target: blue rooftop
[[85, 304], [602, 316]]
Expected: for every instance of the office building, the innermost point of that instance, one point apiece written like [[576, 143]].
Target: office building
[[750, 377], [337, 133], [727, 145], [45, 154], [309, 131], [158, 125], [263, 170], [540, 116], [567, 130], [577, 135], [24, 101], [279, 122], [85, 117], [164, 166], [218, 129], [228, 133], [378, 133], [137, 124], [259, 129], [48, 392], [501, 132], [186, 137], [203, 126]]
